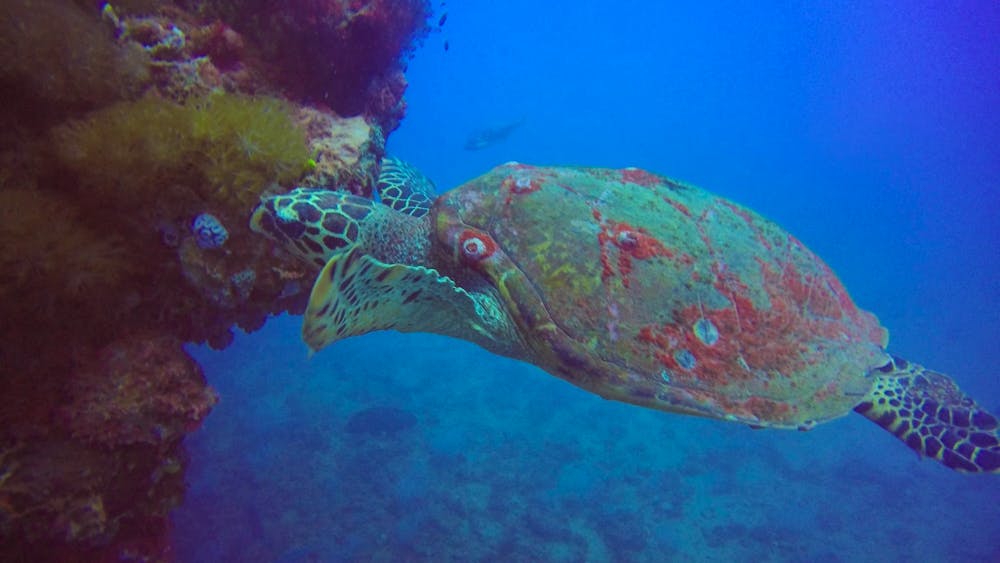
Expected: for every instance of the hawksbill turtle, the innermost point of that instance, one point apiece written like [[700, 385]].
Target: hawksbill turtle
[[630, 285]]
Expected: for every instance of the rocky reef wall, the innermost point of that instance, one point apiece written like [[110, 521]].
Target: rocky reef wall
[[135, 139]]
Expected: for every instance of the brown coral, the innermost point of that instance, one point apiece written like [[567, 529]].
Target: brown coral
[[51, 258], [63, 501], [331, 52], [56, 51], [111, 466], [143, 389]]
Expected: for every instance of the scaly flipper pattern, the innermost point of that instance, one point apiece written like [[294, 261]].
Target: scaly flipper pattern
[[928, 412], [356, 294], [403, 188]]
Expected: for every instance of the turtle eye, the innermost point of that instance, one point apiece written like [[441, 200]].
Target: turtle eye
[[475, 247]]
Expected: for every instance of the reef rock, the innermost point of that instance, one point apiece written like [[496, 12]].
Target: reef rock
[[348, 151], [104, 476], [136, 140]]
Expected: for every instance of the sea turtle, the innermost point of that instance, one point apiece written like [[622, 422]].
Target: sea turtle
[[630, 285]]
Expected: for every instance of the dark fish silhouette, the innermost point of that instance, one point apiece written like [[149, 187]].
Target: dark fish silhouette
[[490, 136], [443, 19]]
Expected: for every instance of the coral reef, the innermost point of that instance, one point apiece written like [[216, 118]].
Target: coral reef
[[66, 259], [221, 147], [346, 54], [61, 277], [347, 151], [108, 465], [247, 143], [135, 139], [64, 55], [143, 389], [187, 57]]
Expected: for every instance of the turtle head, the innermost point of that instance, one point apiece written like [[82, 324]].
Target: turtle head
[[404, 263], [401, 264], [481, 241], [388, 271], [314, 224], [463, 219]]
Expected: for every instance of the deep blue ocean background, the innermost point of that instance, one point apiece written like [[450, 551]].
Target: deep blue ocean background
[[870, 130]]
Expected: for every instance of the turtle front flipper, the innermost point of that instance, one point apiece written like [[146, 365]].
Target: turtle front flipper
[[403, 188], [356, 294], [927, 411]]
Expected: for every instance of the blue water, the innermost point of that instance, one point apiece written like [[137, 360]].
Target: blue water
[[871, 132]]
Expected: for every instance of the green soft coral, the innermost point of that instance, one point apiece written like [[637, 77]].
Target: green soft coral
[[248, 143], [219, 151], [125, 151]]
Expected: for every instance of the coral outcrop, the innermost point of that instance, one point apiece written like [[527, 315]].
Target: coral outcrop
[[135, 139], [143, 389], [56, 51], [95, 467], [344, 54], [347, 151]]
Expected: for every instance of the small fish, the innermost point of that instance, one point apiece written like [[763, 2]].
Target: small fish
[[446, 45], [443, 19]]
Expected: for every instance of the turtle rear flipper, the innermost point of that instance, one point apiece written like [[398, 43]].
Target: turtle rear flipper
[[404, 188], [927, 411]]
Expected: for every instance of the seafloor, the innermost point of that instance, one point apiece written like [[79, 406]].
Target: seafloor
[[412, 447]]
